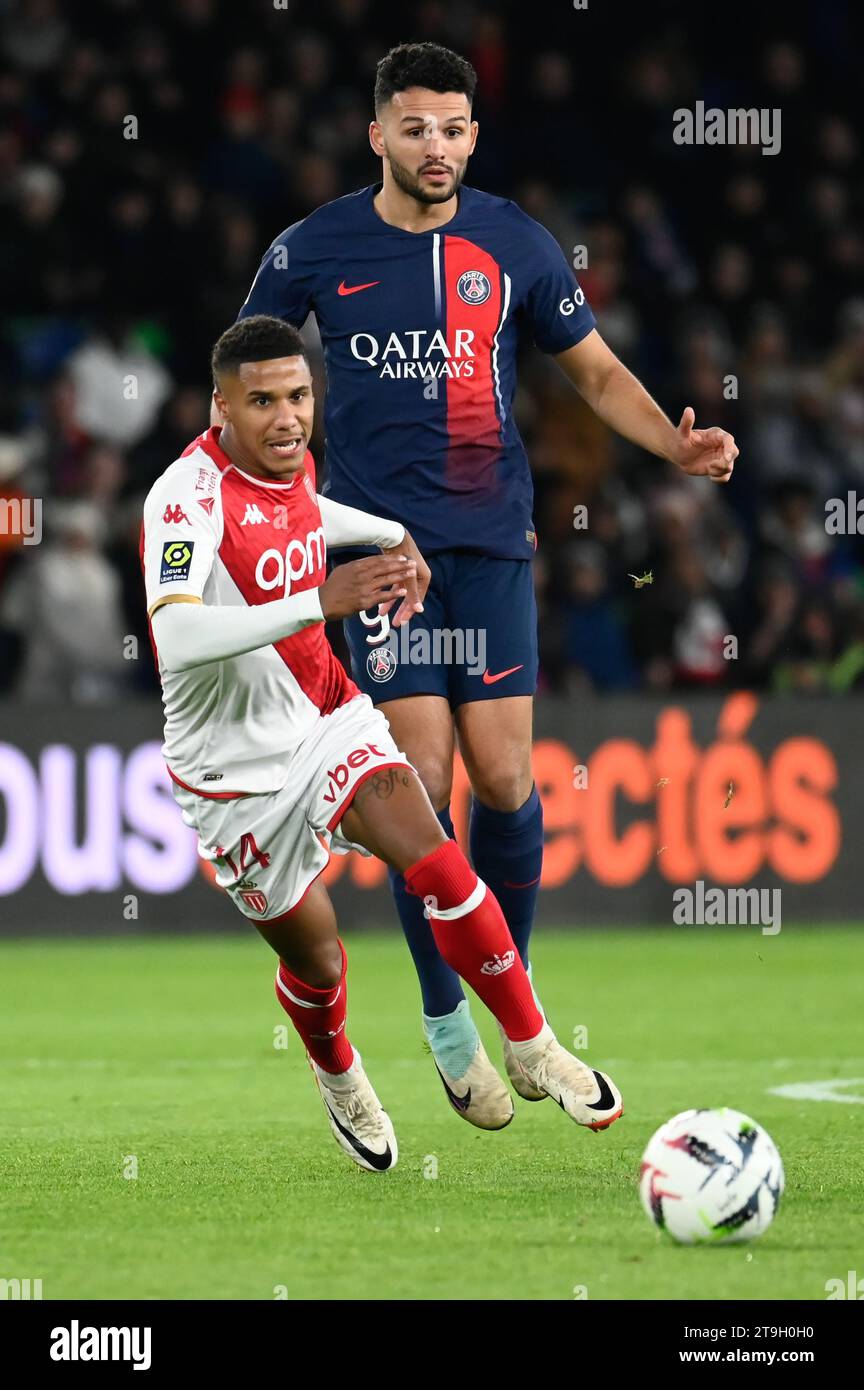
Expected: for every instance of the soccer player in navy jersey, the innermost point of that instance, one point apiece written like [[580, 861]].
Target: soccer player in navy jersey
[[422, 287]]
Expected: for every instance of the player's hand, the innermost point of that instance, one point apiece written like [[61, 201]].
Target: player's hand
[[361, 584], [413, 601], [707, 453]]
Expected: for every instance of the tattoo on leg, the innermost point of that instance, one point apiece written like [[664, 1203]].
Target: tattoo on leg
[[383, 784]]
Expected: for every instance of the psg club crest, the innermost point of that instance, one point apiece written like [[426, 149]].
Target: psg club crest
[[381, 663], [473, 287]]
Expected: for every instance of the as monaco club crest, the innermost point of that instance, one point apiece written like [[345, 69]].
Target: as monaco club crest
[[473, 287], [254, 899]]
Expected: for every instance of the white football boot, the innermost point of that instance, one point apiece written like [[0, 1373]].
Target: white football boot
[[479, 1095], [517, 1079], [589, 1097], [360, 1124], [521, 1085]]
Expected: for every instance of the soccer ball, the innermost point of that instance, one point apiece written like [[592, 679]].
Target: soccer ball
[[711, 1177]]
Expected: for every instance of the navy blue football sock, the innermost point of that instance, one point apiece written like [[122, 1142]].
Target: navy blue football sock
[[440, 986], [507, 853]]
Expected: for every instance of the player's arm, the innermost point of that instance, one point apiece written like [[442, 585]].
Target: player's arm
[[621, 401], [190, 633], [565, 327], [350, 526], [183, 528]]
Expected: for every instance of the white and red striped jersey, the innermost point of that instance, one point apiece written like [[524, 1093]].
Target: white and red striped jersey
[[219, 534]]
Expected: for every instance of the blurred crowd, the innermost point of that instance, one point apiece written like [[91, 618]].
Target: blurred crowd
[[150, 151]]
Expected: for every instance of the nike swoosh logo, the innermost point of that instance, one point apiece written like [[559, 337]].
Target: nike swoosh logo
[[607, 1100], [355, 289], [380, 1161], [529, 884], [459, 1103], [490, 680]]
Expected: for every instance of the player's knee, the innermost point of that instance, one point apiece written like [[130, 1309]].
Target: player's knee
[[502, 788], [436, 774], [318, 966]]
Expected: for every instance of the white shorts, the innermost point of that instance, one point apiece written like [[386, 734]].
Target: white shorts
[[268, 848]]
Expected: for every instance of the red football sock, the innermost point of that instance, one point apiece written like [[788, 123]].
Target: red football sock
[[473, 937], [319, 1017]]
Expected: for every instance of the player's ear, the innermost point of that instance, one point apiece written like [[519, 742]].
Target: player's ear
[[220, 406], [474, 129], [376, 138]]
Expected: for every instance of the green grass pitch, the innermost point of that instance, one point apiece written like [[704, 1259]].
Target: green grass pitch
[[159, 1055]]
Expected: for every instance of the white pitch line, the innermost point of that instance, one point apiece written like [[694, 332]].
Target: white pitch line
[[820, 1090]]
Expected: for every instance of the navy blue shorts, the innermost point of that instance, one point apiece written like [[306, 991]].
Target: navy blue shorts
[[476, 638]]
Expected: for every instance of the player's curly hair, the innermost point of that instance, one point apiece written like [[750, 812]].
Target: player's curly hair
[[255, 339], [423, 65]]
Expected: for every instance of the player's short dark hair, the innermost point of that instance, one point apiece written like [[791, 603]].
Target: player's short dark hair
[[423, 65], [255, 339]]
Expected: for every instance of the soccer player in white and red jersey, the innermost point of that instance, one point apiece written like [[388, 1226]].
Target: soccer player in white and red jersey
[[275, 755]]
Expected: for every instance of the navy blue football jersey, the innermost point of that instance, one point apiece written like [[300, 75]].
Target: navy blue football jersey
[[420, 333]]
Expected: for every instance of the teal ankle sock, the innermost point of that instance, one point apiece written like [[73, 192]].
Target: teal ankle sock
[[453, 1039]]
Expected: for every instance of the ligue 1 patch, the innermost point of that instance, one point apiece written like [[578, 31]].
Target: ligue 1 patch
[[473, 287], [176, 559], [381, 663]]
